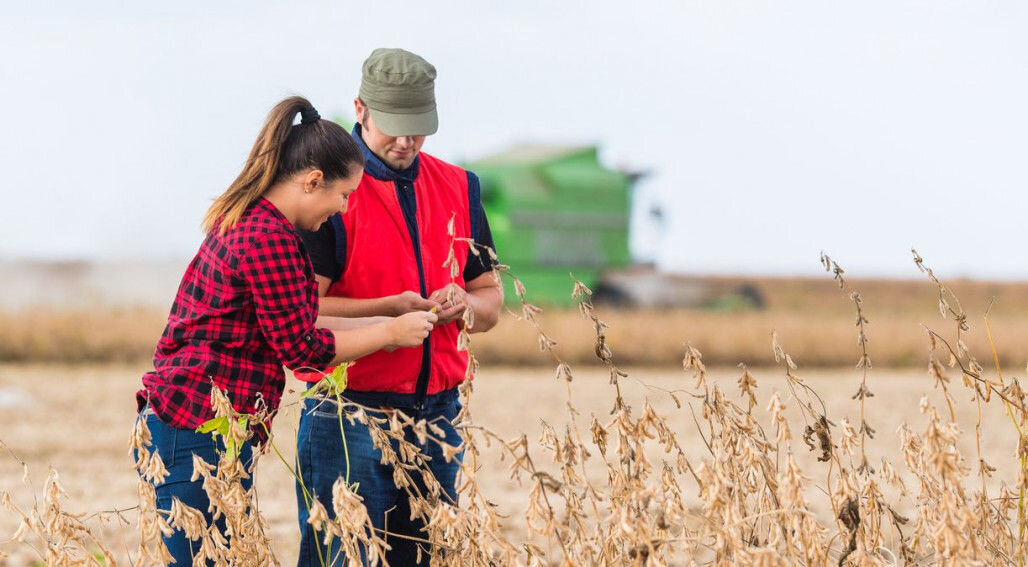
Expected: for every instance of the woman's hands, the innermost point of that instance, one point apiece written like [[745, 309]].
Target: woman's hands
[[410, 329], [449, 303], [408, 301]]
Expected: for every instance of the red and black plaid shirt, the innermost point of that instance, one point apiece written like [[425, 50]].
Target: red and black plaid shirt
[[246, 306]]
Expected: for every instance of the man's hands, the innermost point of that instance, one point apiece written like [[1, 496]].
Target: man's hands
[[449, 303], [452, 300], [410, 329], [409, 301], [410, 316], [415, 316]]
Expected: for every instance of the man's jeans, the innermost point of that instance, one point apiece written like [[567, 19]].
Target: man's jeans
[[176, 448], [321, 459]]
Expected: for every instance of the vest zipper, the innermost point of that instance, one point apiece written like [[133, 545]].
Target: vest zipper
[[409, 209]]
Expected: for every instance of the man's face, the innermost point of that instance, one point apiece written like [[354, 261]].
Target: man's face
[[398, 152]]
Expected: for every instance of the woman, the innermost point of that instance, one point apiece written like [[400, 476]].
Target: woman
[[248, 302]]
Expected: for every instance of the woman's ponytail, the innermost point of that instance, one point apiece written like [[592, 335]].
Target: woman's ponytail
[[282, 149]]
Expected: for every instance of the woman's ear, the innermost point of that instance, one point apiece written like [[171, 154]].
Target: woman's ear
[[313, 180]]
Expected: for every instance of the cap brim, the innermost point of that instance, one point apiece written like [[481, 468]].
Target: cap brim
[[424, 124]]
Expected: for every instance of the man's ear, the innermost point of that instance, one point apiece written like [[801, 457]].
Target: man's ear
[[358, 111]]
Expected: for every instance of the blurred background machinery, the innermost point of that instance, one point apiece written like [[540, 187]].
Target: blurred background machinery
[[557, 211]]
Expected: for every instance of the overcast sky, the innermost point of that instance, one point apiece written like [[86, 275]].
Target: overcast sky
[[772, 129]]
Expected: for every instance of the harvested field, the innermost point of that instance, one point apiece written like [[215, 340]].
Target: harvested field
[[813, 318], [783, 465], [76, 419]]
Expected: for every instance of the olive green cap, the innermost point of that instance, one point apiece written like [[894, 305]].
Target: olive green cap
[[398, 87]]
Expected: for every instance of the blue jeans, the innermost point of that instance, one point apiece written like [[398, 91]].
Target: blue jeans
[[176, 448], [320, 453]]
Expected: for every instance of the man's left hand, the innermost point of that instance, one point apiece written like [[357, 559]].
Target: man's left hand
[[452, 300]]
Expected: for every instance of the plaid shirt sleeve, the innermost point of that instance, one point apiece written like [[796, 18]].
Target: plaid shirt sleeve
[[286, 301]]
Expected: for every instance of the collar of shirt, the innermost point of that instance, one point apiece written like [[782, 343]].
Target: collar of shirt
[[271, 210], [377, 168]]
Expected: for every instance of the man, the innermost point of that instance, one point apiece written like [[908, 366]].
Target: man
[[387, 255]]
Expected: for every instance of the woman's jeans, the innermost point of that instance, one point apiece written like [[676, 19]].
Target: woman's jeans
[[322, 460], [176, 448]]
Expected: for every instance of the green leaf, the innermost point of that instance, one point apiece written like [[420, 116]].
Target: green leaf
[[219, 423], [333, 383], [314, 390], [338, 378]]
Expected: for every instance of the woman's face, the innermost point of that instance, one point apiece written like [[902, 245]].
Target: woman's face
[[328, 199]]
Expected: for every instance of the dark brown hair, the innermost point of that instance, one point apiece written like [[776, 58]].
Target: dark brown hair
[[282, 149]]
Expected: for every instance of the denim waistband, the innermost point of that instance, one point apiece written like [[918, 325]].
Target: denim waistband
[[401, 401]]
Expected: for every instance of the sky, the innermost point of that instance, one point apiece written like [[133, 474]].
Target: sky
[[770, 130]]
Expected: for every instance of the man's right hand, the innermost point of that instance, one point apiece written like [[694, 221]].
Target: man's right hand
[[411, 329], [410, 301]]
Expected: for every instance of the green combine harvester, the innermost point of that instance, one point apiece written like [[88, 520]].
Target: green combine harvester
[[555, 211]]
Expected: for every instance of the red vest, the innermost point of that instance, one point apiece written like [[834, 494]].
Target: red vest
[[380, 261]]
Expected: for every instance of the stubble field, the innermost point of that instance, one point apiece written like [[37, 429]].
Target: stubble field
[[76, 419], [801, 459]]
